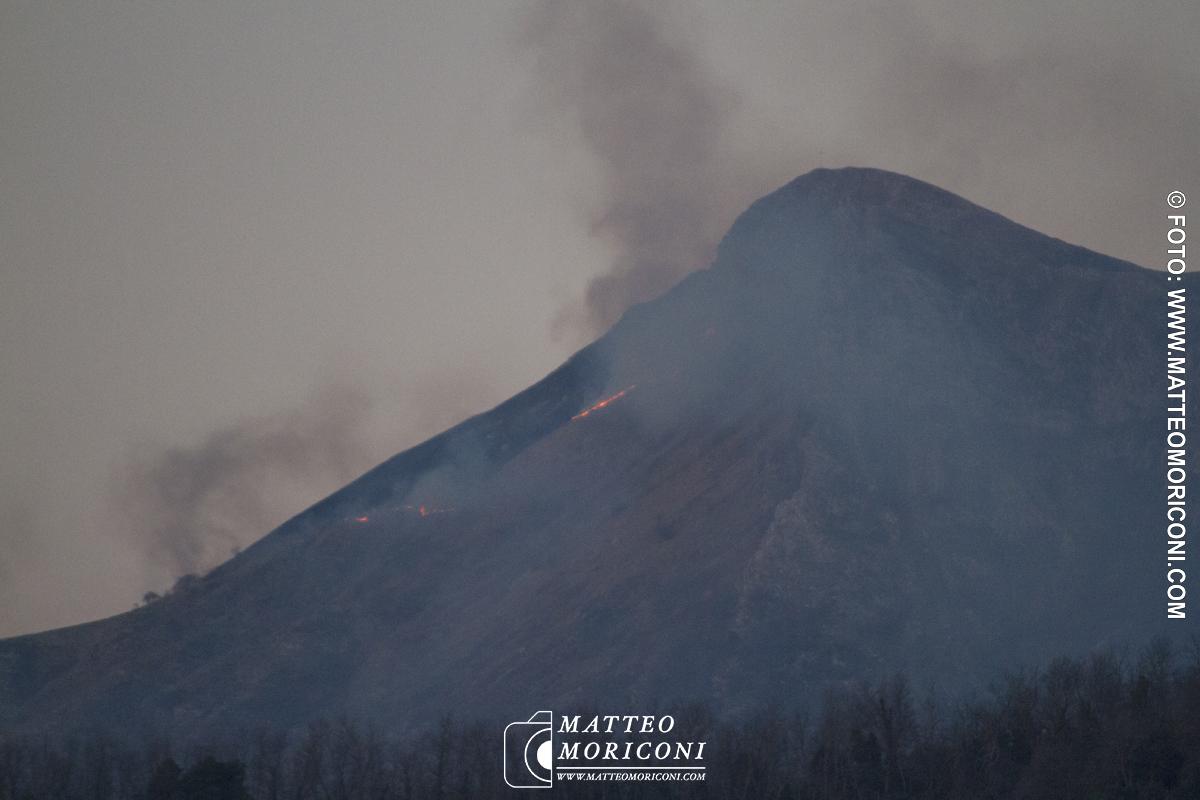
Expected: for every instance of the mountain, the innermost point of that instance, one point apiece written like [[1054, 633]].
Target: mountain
[[886, 430]]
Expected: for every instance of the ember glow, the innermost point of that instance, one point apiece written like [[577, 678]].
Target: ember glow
[[605, 402], [427, 510], [422, 510]]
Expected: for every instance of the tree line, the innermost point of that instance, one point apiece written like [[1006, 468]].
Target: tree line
[[1103, 727]]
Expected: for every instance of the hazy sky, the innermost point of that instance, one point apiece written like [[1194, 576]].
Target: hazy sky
[[248, 249]]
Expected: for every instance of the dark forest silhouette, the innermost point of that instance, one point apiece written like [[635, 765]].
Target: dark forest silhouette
[[1108, 726]]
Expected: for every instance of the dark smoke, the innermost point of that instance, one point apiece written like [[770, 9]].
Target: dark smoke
[[1074, 125], [654, 120], [187, 508]]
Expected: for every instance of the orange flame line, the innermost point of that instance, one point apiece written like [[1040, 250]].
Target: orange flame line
[[605, 402]]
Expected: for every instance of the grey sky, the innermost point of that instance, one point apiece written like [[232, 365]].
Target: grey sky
[[218, 216]]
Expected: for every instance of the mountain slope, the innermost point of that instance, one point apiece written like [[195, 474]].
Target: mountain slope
[[885, 430]]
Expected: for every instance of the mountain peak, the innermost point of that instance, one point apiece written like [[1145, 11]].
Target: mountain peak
[[869, 190], [837, 217], [867, 184]]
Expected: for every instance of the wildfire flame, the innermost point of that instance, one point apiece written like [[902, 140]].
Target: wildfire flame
[[605, 402], [427, 511], [422, 510]]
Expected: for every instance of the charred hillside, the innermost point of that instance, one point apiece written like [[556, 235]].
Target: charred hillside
[[887, 430]]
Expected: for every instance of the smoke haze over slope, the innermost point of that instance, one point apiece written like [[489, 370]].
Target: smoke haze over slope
[[886, 430], [209, 204]]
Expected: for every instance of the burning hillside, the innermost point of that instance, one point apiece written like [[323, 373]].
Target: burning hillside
[[605, 403]]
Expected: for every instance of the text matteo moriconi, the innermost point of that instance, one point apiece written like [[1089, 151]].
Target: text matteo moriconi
[[1176, 413]]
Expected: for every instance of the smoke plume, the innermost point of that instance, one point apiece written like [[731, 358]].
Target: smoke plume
[[187, 508], [654, 121], [1023, 117]]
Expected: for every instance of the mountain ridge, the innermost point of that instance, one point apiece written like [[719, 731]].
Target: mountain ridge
[[886, 426]]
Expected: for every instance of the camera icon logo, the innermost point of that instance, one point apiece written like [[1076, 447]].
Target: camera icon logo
[[529, 752]]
